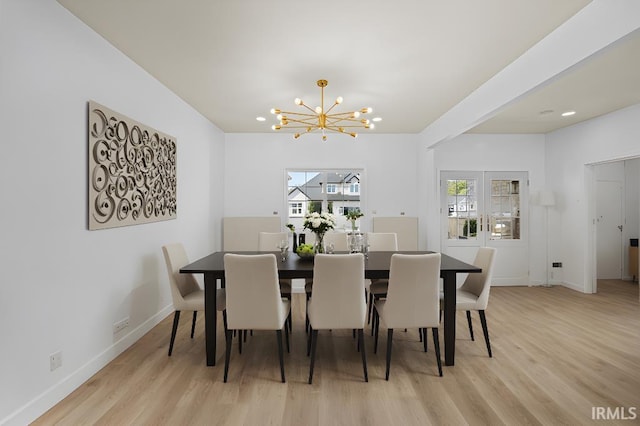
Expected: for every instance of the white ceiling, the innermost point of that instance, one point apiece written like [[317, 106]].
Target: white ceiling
[[411, 60]]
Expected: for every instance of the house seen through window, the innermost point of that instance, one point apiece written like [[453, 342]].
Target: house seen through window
[[336, 191]]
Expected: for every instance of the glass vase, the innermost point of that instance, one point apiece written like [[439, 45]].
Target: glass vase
[[318, 246]]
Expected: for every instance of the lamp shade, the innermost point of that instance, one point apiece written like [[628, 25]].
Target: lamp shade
[[547, 198]]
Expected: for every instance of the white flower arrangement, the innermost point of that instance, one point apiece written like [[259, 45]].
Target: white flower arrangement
[[319, 223]]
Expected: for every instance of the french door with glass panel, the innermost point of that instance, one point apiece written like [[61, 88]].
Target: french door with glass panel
[[487, 209]]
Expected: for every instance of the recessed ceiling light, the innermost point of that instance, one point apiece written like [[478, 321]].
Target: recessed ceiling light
[[568, 113], [377, 119], [260, 118]]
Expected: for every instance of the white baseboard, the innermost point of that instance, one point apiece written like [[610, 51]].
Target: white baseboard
[[56, 393]]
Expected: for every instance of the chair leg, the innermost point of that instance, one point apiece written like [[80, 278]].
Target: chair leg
[[286, 334], [307, 325], [364, 356], [314, 343], [424, 340], [240, 341], [309, 340], [193, 323], [436, 346], [470, 325], [227, 357], [280, 355], [289, 321], [376, 326], [485, 330], [370, 308], [176, 319], [224, 320], [420, 333], [389, 344]]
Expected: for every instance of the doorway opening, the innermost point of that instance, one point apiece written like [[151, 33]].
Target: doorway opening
[[615, 215]]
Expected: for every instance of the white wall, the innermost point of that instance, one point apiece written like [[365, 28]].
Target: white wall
[[63, 286], [611, 137], [399, 176], [255, 182]]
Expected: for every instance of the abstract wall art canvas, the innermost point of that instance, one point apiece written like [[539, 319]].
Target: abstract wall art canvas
[[132, 171]]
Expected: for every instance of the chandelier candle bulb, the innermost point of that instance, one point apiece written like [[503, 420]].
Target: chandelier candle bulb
[[321, 119]]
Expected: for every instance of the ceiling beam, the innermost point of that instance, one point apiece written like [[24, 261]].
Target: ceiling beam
[[595, 27]]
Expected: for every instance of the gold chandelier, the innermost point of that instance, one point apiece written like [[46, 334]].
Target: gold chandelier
[[321, 119]]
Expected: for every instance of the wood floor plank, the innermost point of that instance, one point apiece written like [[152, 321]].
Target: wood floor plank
[[557, 354]]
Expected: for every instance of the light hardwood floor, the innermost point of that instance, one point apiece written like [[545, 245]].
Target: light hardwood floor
[[556, 354]]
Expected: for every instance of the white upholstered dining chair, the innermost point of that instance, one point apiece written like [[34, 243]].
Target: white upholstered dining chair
[[269, 241], [185, 290], [473, 295], [412, 300], [254, 301], [338, 300], [376, 289], [339, 241]]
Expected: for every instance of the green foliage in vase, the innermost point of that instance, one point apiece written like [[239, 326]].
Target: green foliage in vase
[[354, 214]]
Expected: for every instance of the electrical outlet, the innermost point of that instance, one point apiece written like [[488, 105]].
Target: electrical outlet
[[120, 325], [55, 360]]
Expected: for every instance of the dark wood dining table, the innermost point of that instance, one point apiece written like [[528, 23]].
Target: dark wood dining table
[[377, 265]]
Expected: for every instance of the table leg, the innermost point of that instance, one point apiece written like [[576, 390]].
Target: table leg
[[449, 317], [210, 317]]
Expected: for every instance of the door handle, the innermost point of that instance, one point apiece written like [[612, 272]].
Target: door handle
[[620, 228]]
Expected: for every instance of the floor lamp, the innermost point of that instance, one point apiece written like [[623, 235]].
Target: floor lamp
[[547, 199]]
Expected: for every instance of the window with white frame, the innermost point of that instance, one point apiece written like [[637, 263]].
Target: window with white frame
[[295, 209]]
